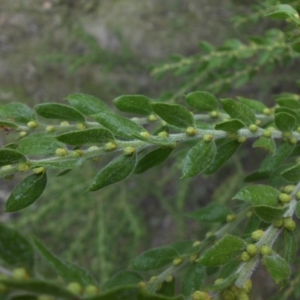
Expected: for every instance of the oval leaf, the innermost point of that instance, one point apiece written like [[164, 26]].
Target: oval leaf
[[283, 11], [223, 251], [26, 192], [285, 121], [123, 278], [18, 112], [174, 114], [258, 195], [202, 101], [265, 143], [193, 279], [297, 211], [120, 168], [255, 105], [136, 104], [198, 159], [268, 214], [230, 126], [59, 111], [290, 246], [292, 174], [10, 157]]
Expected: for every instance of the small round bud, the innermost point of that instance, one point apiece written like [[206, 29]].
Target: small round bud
[[92, 148], [293, 141], [32, 124], [145, 134], [110, 146], [22, 133], [219, 281], [20, 274], [214, 114], [230, 218], [267, 111], [257, 122], [278, 223], [287, 134], [64, 123], [77, 153], [196, 243], [7, 167], [177, 261], [207, 138], [23, 167], [194, 257], [252, 249], [209, 234], [142, 285], [232, 135], [152, 118], [199, 295], [163, 123], [289, 188], [169, 278], [253, 128], [39, 170], [75, 288], [245, 256], [50, 129], [284, 198], [257, 235], [128, 151], [289, 224], [249, 214], [80, 126], [61, 152], [191, 131], [241, 139], [163, 134], [242, 295], [228, 295], [234, 288], [247, 287], [153, 279], [91, 290], [267, 133], [265, 250]]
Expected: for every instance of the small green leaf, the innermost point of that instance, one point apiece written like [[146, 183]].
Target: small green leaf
[[68, 271], [296, 46], [224, 152], [297, 211], [230, 125], [59, 163], [285, 121], [277, 267], [117, 170], [202, 101], [26, 192], [255, 105], [153, 158], [154, 259], [86, 104], [6, 124], [88, 136], [193, 279], [268, 214], [198, 159], [290, 246], [120, 126], [15, 249], [239, 111], [39, 287], [123, 278], [292, 174], [223, 251], [211, 213], [228, 281], [229, 268], [10, 157], [167, 288], [185, 247], [174, 114], [59, 112], [258, 195], [136, 104], [265, 143], [18, 112], [288, 102], [283, 11], [121, 293]]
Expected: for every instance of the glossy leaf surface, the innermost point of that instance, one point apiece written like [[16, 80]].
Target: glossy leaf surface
[[10, 157]]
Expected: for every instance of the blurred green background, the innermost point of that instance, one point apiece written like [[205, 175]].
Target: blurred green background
[[49, 49]]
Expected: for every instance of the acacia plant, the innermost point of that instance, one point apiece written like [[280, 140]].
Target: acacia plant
[[57, 138]]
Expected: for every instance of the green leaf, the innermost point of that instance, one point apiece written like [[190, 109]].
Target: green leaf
[[211, 213], [193, 279], [185, 247], [223, 251], [239, 111], [24, 297], [68, 271], [26, 192], [88, 136], [253, 224], [199, 158], [154, 259], [202, 101], [10, 157], [167, 288], [258, 195], [5, 124], [15, 249], [18, 112], [229, 268], [268, 214], [174, 114], [120, 126], [283, 11], [297, 211], [117, 170], [223, 285], [59, 111], [153, 158], [230, 125], [292, 174], [120, 293], [145, 296], [285, 121], [123, 278], [296, 46], [288, 102], [59, 163], [265, 143], [277, 267], [290, 246], [86, 104], [39, 145], [224, 152], [39, 287], [255, 105], [136, 104]]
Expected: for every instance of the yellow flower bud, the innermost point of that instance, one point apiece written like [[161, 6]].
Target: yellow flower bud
[[252, 249], [177, 261], [50, 129], [265, 250], [253, 128], [23, 167], [110, 146], [152, 118], [257, 235], [214, 114], [128, 151], [163, 134], [289, 224], [91, 290], [61, 152], [191, 131], [32, 124], [207, 138], [145, 134], [80, 126], [20, 274], [75, 288], [64, 123]]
